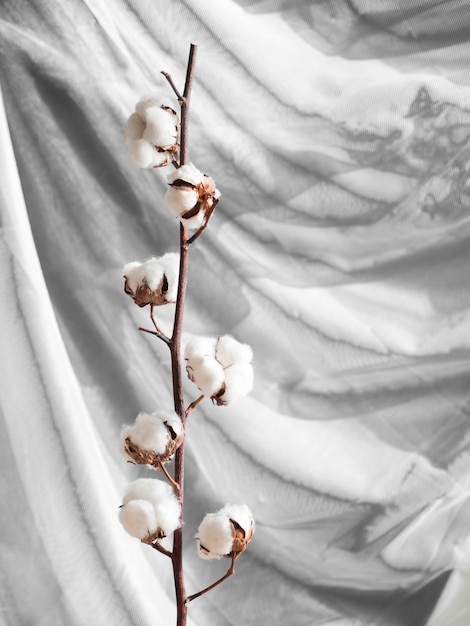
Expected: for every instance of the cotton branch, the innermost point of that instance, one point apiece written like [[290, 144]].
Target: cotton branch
[[175, 350], [222, 371]]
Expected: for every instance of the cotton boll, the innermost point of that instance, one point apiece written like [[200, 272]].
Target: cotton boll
[[138, 518], [150, 489], [200, 347], [230, 351], [188, 173], [153, 282], [153, 125], [148, 433], [215, 536], [206, 373], [192, 195], [161, 127], [238, 383]]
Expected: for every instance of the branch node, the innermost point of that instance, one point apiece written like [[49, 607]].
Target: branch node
[[161, 336], [157, 546]]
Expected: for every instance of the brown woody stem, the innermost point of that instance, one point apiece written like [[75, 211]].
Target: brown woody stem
[[230, 571], [175, 351]]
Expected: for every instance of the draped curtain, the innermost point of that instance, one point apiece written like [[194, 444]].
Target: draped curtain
[[338, 135]]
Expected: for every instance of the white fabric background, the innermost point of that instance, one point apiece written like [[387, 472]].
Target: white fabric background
[[338, 134]]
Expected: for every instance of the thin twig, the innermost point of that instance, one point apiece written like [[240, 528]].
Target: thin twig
[[185, 104], [162, 468], [173, 86], [230, 571], [158, 546], [194, 404], [159, 331]]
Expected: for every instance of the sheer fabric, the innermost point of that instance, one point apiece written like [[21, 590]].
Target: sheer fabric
[[338, 134]]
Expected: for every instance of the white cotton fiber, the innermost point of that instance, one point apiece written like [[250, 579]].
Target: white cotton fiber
[[200, 347], [238, 382], [150, 272], [206, 373], [170, 264], [134, 274], [152, 100], [215, 536], [193, 222], [241, 514], [134, 128], [151, 489], [230, 351], [142, 152], [153, 272], [188, 173], [180, 200], [160, 129], [150, 126], [138, 518], [173, 420], [145, 155], [209, 366], [168, 515]]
